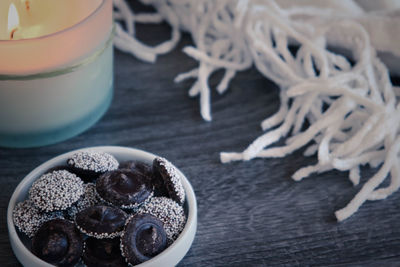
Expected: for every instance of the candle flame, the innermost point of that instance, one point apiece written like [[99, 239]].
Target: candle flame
[[13, 18]]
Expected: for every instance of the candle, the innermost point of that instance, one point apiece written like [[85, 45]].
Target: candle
[[56, 69]]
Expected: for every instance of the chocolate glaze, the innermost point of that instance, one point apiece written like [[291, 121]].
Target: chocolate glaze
[[101, 221], [143, 238], [124, 188], [102, 253], [58, 242], [138, 166]]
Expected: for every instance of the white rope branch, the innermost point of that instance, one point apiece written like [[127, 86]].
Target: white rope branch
[[353, 110]]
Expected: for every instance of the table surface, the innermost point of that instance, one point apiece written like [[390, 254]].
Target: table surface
[[250, 213]]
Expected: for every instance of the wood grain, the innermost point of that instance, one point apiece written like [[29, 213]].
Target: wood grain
[[250, 213]]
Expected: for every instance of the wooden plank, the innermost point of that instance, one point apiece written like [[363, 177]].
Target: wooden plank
[[250, 213]]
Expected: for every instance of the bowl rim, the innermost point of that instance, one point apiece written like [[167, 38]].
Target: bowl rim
[[35, 174]]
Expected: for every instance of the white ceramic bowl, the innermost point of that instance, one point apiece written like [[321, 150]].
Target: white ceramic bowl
[[169, 257]]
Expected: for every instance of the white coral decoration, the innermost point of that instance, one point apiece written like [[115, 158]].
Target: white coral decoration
[[353, 109]]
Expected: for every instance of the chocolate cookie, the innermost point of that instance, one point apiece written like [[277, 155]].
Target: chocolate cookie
[[57, 190], [124, 188], [143, 238], [58, 242], [89, 165], [28, 219], [168, 173], [102, 253], [101, 221], [169, 212]]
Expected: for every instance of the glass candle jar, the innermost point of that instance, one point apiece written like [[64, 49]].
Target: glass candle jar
[[55, 86]]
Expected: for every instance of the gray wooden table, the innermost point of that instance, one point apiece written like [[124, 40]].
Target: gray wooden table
[[250, 213]]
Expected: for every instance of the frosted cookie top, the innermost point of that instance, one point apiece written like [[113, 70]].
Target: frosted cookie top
[[57, 190]]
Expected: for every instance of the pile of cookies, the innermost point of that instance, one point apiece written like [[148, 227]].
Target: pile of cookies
[[103, 212]]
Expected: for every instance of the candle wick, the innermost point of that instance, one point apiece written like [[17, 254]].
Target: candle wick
[[12, 33]]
